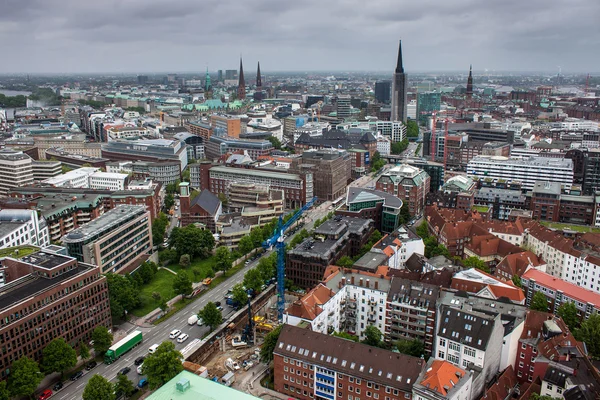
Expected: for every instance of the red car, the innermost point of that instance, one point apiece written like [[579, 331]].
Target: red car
[[46, 394]]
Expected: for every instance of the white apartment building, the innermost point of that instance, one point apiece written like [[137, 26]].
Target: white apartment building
[[575, 124], [394, 130], [15, 170], [21, 227], [128, 132], [107, 180], [526, 170], [77, 178], [43, 170], [384, 145]]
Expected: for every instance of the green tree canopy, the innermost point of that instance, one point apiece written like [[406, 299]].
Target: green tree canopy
[[159, 227], [84, 351], [182, 284], [404, 213], [372, 336], [253, 280], [539, 302], [399, 147], [124, 385], [345, 261], [423, 230], [476, 262], [267, 266], [245, 245], [4, 393], [274, 141], [123, 295], [268, 347], [98, 388], [58, 356], [24, 378], [102, 339], [239, 295], [412, 129], [346, 335], [211, 316], [516, 279], [162, 365], [256, 235], [223, 258], [184, 260], [589, 332], [192, 240], [413, 347], [169, 201], [568, 312]]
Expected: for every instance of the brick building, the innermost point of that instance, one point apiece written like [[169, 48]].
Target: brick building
[[381, 207], [408, 183], [310, 365], [205, 208], [200, 128], [46, 296]]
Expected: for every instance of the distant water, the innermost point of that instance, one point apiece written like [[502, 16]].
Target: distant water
[[14, 92]]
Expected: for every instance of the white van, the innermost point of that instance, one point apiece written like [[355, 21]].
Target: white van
[[153, 348], [192, 320]]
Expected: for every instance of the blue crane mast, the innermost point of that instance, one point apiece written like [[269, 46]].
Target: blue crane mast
[[277, 240]]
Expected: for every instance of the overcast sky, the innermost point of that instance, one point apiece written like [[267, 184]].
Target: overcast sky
[[67, 36]]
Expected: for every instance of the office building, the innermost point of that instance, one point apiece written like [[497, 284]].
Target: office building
[[77, 178], [153, 150], [427, 104], [118, 241], [164, 172], [75, 160], [15, 170], [227, 125], [218, 146], [108, 181], [409, 183], [310, 365], [330, 170], [200, 128], [480, 131], [383, 91], [22, 227], [394, 130], [435, 171], [399, 91], [340, 236], [43, 170], [343, 107], [383, 208], [527, 170], [47, 296]]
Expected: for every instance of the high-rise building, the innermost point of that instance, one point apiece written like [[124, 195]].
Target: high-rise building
[[470, 83], [230, 74], [142, 79], [399, 99], [383, 90], [241, 91], [220, 75], [258, 77], [343, 107], [427, 103]]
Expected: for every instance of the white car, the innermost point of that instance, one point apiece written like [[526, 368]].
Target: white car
[[182, 338], [174, 334]]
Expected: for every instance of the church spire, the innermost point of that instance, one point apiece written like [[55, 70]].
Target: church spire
[[258, 78], [241, 92], [399, 66], [470, 82], [207, 84]]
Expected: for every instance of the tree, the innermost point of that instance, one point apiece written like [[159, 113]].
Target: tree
[[268, 347], [239, 295], [169, 201], [24, 378], [345, 261], [476, 262], [245, 245], [589, 332], [257, 237], [211, 315], [372, 336], [192, 240], [568, 312], [123, 295], [346, 335], [404, 213], [84, 351], [423, 230], [184, 260], [4, 393], [412, 347], [102, 339], [539, 302], [156, 296], [124, 385], [162, 365], [516, 279], [274, 141], [98, 388], [223, 258], [377, 162], [182, 284], [162, 304], [223, 199], [412, 129], [253, 280], [159, 227], [399, 147], [267, 267], [58, 356]]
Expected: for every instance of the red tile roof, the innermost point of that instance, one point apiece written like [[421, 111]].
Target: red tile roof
[[441, 374], [309, 306], [569, 289], [503, 387], [517, 263]]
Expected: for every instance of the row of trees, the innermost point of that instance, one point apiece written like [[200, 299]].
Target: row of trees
[[377, 162], [58, 356], [159, 228], [432, 247]]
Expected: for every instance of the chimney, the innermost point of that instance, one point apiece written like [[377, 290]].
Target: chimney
[[368, 283], [376, 284], [361, 282], [343, 281], [352, 279], [340, 284]]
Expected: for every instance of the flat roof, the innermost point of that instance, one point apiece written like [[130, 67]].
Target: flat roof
[[46, 260], [110, 219], [200, 389], [255, 172]]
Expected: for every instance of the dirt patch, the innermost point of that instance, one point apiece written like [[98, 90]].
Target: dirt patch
[[216, 364]]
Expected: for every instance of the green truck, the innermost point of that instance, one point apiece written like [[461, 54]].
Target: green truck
[[122, 346]]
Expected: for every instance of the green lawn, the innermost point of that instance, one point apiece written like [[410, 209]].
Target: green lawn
[[23, 251], [202, 266], [163, 284], [480, 208], [576, 228]]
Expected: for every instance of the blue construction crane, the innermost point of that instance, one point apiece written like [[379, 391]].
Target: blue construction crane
[[277, 240]]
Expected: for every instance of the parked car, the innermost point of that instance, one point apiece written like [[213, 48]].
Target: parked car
[[140, 369], [182, 338], [174, 333], [217, 303], [124, 371], [200, 322], [90, 365], [139, 360], [192, 320], [45, 394], [57, 386], [76, 375], [143, 382]]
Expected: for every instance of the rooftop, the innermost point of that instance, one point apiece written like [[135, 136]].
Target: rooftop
[[441, 376], [251, 173], [568, 289], [106, 221], [358, 195]]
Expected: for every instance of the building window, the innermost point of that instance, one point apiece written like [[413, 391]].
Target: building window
[[441, 354], [549, 386]]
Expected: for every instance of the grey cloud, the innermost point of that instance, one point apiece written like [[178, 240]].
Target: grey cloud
[[186, 35]]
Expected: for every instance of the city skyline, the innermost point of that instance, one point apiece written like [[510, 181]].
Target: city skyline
[[107, 37]]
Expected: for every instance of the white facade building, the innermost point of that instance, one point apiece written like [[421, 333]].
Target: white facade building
[[21, 227], [107, 180], [384, 145], [526, 170], [16, 169], [394, 130], [77, 178]]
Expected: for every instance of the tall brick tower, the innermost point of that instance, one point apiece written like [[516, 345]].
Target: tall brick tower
[[258, 78], [241, 92], [470, 83]]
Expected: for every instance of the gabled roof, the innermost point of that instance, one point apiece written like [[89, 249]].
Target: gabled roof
[[207, 201], [570, 290], [309, 306], [517, 263], [442, 376]]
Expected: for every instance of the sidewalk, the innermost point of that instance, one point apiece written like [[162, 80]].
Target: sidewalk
[[254, 387]]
